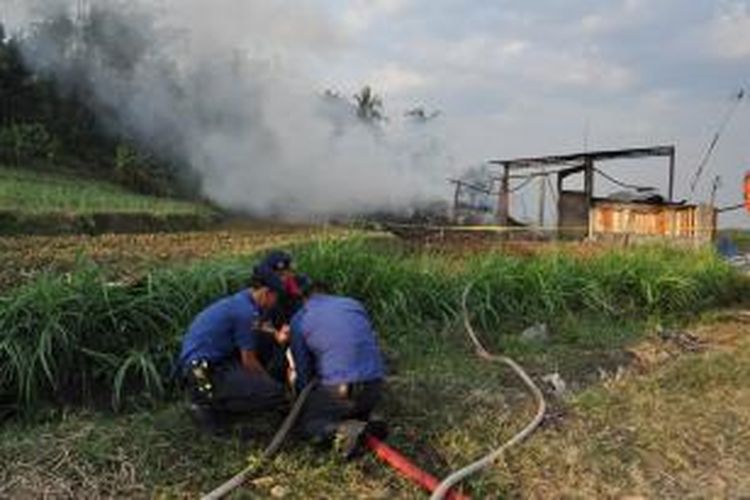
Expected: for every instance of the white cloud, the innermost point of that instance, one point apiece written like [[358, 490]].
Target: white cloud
[[513, 47], [595, 23], [729, 34], [394, 78], [481, 48], [627, 14], [361, 14], [586, 71], [484, 60]]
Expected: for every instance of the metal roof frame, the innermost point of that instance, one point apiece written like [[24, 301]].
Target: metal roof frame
[[579, 159]]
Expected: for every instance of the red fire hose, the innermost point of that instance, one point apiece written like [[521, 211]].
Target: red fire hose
[[406, 468]]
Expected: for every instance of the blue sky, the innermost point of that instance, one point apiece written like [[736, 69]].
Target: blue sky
[[524, 78]]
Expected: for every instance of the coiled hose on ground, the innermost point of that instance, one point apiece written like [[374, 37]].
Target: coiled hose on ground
[[490, 458], [237, 480]]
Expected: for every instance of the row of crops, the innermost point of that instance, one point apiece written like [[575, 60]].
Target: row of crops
[[131, 254], [79, 339]]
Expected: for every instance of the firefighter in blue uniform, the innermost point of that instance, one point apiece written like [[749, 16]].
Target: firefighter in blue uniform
[[332, 339], [272, 354], [281, 263], [220, 361]]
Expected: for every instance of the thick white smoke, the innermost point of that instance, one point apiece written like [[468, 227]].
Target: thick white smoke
[[225, 87]]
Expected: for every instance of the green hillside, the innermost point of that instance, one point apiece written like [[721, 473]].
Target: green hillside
[[33, 192]]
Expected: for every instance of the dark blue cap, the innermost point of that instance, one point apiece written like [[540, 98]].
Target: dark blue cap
[[277, 260]]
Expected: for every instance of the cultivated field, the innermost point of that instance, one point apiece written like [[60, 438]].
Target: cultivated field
[[655, 404], [23, 258]]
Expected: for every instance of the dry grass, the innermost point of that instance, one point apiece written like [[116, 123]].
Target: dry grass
[[681, 430]]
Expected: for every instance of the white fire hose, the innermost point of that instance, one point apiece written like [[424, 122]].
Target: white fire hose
[[461, 474]]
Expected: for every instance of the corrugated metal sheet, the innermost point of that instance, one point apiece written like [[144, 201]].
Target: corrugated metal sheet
[[640, 219]]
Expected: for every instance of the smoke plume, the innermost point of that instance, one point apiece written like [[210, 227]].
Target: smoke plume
[[227, 88]]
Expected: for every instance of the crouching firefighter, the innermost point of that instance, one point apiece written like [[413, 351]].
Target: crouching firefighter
[[271, 353], [219, 360], [332, 340]]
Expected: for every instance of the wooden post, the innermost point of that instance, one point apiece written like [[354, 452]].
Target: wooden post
[[714, 187], [503, 200], [588, 187], [456, 197], [671, 176], [542, 197], [560, 196], [588, 179]]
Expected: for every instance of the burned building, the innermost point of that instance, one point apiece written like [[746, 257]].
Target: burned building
[[635, 213]]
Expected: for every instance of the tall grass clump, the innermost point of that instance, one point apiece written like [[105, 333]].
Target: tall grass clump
[[78, 338], [81, 339], [395, 285], [641, 281]]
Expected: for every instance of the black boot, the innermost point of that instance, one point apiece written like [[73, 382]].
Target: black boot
[[208, 419], [377, 427], [349, 438]]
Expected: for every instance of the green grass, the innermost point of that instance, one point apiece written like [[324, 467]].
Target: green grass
[[78, 339], [31, 192]]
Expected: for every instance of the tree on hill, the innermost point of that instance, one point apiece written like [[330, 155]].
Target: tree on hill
[[48, 115]]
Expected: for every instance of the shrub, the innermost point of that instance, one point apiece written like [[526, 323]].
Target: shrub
[[25, 142]]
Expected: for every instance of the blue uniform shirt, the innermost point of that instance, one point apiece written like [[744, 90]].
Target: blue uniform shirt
[[221, 329], [332, 338]]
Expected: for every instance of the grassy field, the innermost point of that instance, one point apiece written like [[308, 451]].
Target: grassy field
[[62, 375], [42, 193]]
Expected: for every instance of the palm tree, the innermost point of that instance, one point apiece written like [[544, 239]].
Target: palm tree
[[369, 106]]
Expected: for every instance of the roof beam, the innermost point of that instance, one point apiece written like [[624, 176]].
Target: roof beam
[[593, 156]]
